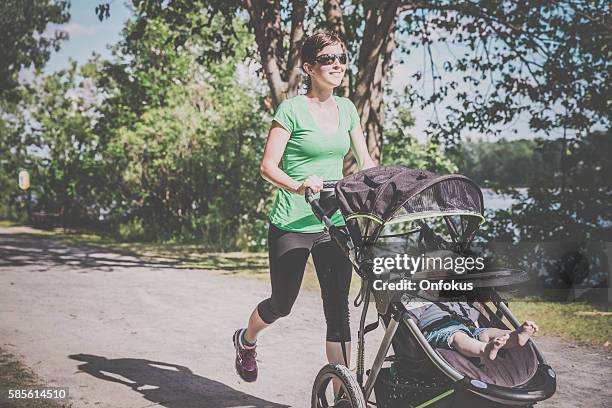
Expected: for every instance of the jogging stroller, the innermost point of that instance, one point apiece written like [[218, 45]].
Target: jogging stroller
[[390, 210]]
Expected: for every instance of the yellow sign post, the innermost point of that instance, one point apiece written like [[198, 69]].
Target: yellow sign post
[[24, 180], [24, 184]]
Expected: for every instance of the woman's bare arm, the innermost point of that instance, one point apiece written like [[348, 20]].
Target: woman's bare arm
[[360, 149], [269, 168]]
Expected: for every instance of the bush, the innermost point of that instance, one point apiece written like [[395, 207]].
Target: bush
[[132, 231]]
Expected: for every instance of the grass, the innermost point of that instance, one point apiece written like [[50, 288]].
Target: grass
[[565, 320], [7, 224], [15, 375], [554, 318]]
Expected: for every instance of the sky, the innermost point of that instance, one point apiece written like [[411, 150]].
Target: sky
[[88, 35]]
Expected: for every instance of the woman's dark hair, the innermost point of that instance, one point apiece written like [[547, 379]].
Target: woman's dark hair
[[314, 44]]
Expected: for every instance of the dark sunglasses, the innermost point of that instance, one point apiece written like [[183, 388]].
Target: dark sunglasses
[[328, 59]]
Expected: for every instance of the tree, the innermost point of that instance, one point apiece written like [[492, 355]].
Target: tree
[[182, 140], [401, 147], [13, 157], [24, 41], [65, 163], [504, 163], [542, 59], [579, 212], [25, 44], [279, 36], [151, 144], [560, 232]]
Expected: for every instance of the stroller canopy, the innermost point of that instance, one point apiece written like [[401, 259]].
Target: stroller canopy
[[374, 197], [393, 193]]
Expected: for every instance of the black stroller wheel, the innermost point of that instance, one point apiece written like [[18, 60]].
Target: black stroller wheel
[[349, 395]]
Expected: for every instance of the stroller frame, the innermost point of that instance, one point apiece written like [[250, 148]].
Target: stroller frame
[[326, 206]]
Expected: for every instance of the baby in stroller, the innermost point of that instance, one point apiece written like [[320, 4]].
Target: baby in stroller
[[454, 326]]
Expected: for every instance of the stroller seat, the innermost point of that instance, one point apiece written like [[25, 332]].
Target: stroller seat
[[512, 367]]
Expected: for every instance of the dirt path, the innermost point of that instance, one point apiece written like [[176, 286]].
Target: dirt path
[[125, 332]]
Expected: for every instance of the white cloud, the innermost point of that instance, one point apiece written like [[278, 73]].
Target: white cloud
[[76, 30]]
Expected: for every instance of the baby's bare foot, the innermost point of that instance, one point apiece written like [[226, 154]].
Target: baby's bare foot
[[527, 329], [493, 346]]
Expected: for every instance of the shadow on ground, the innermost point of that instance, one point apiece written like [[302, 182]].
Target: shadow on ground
[[24, 249], [169, 385]]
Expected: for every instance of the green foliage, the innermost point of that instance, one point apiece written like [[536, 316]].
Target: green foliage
[[400, 147], [66, 165], [184, 141], [102, 10], [153, 145], [516, 163], [557, 227], [24, 45], [13, 158], [132, 231], [54, 141], [521, 163], [568, 221], [548, 61], [576, 208], [210, 21], [24, 42]]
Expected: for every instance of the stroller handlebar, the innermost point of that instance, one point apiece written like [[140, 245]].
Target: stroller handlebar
[[329, 184], [316, 206]]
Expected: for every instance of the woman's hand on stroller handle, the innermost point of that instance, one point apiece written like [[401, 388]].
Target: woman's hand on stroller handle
[[325, 185], [312, 183], [314, 203]]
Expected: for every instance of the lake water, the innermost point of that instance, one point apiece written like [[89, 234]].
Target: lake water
[[494, 201]]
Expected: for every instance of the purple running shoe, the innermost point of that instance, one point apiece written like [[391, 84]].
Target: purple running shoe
[[246, 365]]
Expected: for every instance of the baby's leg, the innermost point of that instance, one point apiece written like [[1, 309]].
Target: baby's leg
[[492, 332], [517, 337], [470, 347], [523, 333]]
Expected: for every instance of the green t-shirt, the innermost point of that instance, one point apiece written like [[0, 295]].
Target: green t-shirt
[[309, 152]]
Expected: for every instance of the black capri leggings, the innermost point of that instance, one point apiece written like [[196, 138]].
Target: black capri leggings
[[288, 254]]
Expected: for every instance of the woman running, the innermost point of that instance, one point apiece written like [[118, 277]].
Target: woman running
[[307, 142]]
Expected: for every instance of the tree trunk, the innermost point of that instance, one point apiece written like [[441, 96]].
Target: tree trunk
[[335, 23], [266, 23], [374, 60], [295, 40], [282, 74]]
